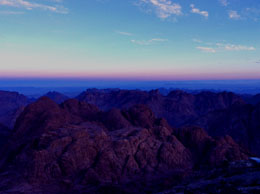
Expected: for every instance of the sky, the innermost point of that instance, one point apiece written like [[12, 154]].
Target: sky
[[130, 39]]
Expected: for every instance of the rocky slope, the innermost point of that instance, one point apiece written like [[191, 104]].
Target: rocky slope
[[75, 147], [11, 105], [219, 114], [241, 177], [242, 122], [177, 107], [252, 99], [57, 97], [4, 134]]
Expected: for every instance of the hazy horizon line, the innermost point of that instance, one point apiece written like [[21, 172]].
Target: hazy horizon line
[[75, 78]]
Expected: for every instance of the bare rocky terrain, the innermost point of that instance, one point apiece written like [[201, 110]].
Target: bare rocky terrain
[[131, 144]]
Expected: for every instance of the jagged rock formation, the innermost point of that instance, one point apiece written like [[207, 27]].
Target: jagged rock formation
[[177, 107], [220, 114], [76, 147], [57, 97], [242, 122]]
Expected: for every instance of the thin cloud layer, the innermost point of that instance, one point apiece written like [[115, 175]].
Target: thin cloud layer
[[11, 12], [171, 9], [163, 8], [234, 15], [148, 42], [206, 49], [223, 2], [28, 5], [197, 11], [233, 47], [124, 33], [220, 47]]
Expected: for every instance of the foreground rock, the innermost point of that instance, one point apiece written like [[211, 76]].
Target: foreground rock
[[241, 177], [75, 147]]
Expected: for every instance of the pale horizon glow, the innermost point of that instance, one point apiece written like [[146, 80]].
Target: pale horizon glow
[[134, 76]]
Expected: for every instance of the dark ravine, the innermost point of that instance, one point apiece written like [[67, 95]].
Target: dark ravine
[[125, 147]]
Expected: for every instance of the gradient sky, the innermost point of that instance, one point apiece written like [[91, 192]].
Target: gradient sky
[[131, 39]]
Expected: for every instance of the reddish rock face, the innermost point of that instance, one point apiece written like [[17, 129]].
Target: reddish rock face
[[198, 141], [81, 110], [219, 114], [140, 115], [114, 119], [225, 149], [40, 116], [207, 151], [64, 140], [76, 144]]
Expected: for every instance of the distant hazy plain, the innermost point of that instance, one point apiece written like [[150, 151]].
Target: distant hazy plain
[[72, 87]]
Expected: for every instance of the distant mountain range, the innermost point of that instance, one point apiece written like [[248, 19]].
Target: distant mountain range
[[128, 141], [219, 114]]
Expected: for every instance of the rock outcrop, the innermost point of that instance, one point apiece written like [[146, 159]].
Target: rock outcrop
[[241, 122], [57, 97], [220, 114], [75, 147]]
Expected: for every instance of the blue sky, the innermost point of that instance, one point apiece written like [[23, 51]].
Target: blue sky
[[131, 39]]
